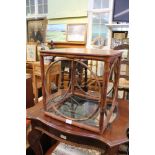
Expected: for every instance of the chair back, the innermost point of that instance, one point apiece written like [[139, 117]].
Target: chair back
[[124, 71]]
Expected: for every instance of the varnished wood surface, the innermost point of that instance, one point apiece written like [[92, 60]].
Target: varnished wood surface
[[82, 53], [29, 91], [112, 136], [68, 45]]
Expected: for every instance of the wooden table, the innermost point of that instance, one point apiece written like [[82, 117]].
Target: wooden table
[[110, 140]]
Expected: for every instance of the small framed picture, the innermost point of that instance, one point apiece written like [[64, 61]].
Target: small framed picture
[[119, 34], [115, 42], [31, 49], [76, 32]]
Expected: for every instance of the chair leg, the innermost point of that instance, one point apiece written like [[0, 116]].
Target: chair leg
[[85, 80], [62, 80]]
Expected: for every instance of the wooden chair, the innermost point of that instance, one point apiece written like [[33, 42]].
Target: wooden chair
[[66, 75], [53, 76], [93, 65], [124, 71], [36, 79]]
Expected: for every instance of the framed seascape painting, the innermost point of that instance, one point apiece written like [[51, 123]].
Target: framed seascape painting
[[56, 32], [76, 32]]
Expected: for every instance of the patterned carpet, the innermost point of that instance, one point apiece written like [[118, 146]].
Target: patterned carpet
[[64, 149]]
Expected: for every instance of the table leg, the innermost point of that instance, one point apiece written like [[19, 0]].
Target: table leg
[[35, 89], [62, 78], [34, 141], [85, 81]]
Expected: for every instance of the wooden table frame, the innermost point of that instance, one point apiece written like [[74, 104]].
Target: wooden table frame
[[111, 60]]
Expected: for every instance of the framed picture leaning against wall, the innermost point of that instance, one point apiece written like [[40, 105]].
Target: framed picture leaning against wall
[[31, 54], [36, 30]]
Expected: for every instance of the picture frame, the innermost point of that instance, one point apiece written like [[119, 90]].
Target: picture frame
[[40, 47], [31, 49], [36, 30], [115, 42], [56, 32], [119, 34], [76, 32]]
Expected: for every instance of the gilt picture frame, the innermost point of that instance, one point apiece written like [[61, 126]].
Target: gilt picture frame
[[36, 30], [76, 32], [119, 34]]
